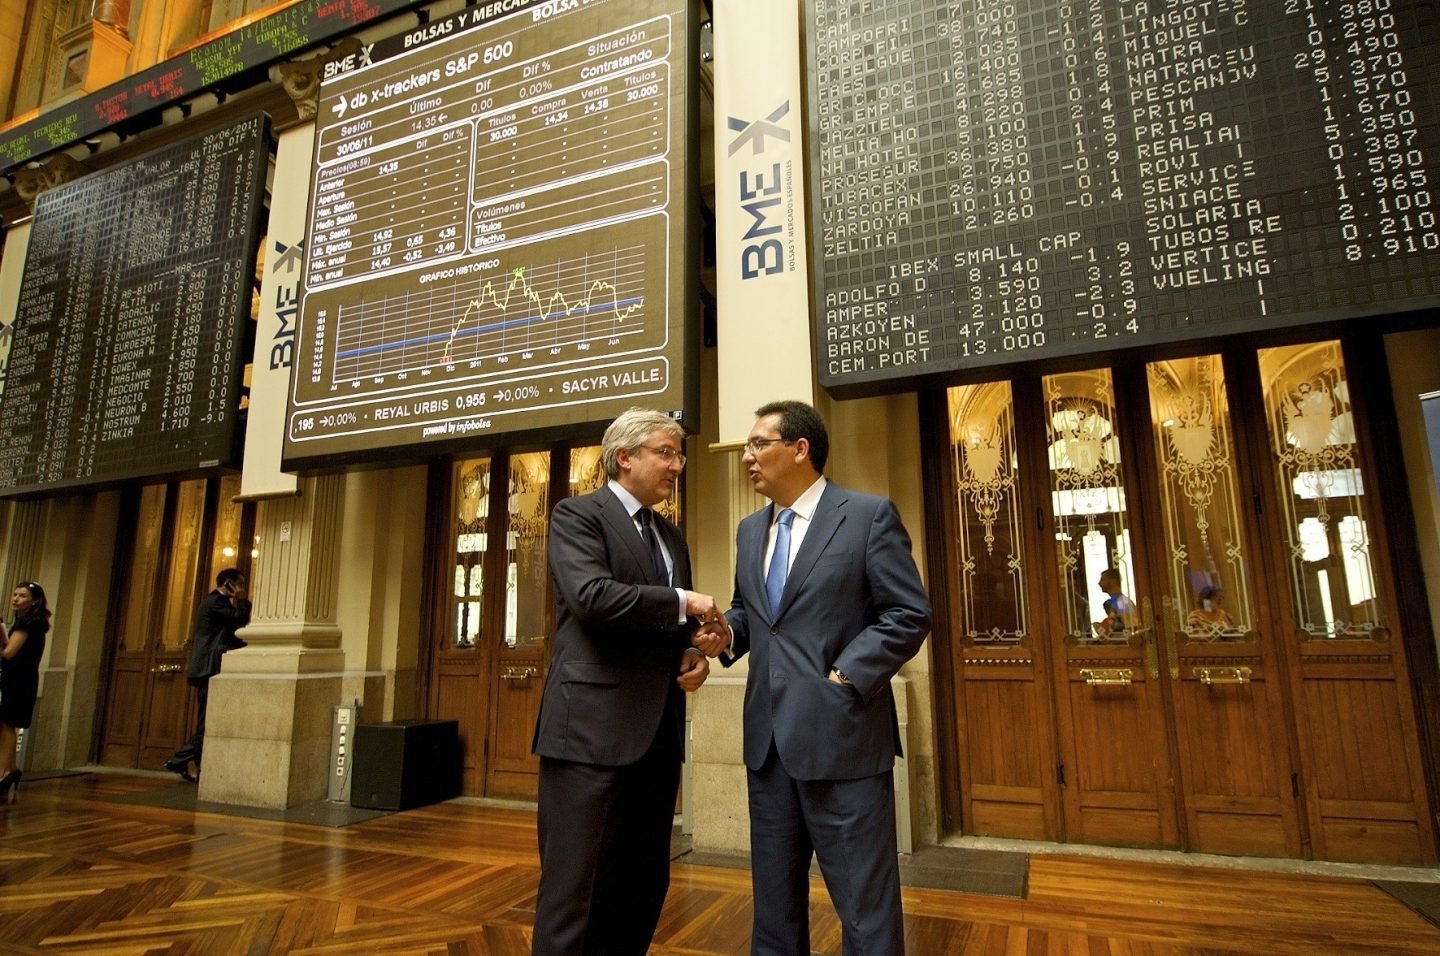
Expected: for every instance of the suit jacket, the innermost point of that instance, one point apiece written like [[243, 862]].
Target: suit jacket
[[617, 643], [216, 622], [852, 601]]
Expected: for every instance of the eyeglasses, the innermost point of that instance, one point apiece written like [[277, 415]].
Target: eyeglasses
[[667, 453], [756, 445]]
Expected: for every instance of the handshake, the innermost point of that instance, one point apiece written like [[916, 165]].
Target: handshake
[[713, 636]]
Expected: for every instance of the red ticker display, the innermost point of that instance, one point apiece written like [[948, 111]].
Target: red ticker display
[[995, 181], [498, 232]]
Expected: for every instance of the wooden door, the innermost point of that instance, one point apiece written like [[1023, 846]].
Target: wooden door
[[133, 668], [168, 715], [521, 652], [459, 668], [994, 603], [1218, 650], [1117, 766], [1211, 632], [491, 645], [1361, 771], [184, 533]]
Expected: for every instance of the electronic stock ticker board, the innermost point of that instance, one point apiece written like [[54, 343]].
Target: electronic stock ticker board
[[134, 305], [995, 181], [496, 241]]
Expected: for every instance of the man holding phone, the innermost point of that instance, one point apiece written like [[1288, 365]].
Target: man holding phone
[[222, 612]]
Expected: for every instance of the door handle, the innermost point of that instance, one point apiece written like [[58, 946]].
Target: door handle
[[166, 669], [1107, 676], [1222, 675], [518, 672]]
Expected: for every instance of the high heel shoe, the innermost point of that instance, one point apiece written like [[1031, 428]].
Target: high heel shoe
[[10, 787]]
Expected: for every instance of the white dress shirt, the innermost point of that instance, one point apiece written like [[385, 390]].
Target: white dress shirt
[[804, 508]]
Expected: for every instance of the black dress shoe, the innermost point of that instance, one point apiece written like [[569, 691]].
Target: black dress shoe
[[182, 767]]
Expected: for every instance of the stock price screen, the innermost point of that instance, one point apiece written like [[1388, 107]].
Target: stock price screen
[[496, 241], [133, 313], [995, 181]]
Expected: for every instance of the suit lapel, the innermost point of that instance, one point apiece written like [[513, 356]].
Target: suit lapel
[[829, 514], [613, 513], [755, 530]]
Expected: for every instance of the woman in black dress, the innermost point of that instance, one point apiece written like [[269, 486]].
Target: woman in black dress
[[20, 676]]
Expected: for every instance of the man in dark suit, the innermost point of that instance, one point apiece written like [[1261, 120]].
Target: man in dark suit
[[612, 718], [222, 612], [829, 605]]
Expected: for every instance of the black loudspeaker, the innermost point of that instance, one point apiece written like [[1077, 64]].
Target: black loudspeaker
[[404, 763]]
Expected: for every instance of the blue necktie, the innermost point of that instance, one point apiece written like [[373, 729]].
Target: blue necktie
[[647, 531], [779, 561]]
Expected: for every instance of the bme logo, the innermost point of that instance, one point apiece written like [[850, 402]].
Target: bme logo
[[761, 190]]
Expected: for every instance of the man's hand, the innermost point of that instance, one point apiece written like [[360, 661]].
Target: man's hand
[[694, 668], [701, 606], [713, 636]]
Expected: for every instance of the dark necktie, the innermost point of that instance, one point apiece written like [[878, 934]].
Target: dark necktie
[[646, 517], [779, 561]]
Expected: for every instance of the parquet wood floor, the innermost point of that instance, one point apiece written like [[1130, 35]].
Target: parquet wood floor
[[81, 875]]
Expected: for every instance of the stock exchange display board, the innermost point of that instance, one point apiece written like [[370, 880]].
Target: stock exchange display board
[[995, 181], [497, 232], [133, 312]]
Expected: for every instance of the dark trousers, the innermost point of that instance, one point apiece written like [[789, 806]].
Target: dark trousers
[[604, 852], [190, 749], [849, 825]]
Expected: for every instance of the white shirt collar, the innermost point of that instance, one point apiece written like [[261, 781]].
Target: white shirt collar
[[631, 503], [805, 505]]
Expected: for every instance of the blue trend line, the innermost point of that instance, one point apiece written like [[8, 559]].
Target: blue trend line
[[477, 330]]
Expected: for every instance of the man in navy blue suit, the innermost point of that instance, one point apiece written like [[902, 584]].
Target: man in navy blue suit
[[829, 605]]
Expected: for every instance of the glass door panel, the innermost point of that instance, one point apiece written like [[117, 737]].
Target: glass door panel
[[1092, 524], [182, 584], [1322, 492], [1208, 577], [229, 521], [143, 559], [989, 540], [527, 574], [472, 508]]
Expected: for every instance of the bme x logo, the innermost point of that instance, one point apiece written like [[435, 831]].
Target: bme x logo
[[755, 132]]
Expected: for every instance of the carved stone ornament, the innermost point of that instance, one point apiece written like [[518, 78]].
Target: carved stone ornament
[[31, 181], [301, 78], [301, 81]]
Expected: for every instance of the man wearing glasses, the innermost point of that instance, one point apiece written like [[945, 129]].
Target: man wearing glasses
[[611, 723], [829, 605]]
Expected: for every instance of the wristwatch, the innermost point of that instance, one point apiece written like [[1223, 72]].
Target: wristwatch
[[840, 674]]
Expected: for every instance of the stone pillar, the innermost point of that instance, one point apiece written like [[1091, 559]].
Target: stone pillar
[[267, 735], [716, 785]]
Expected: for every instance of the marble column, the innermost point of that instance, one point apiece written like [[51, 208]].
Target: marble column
[[267, 735]]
